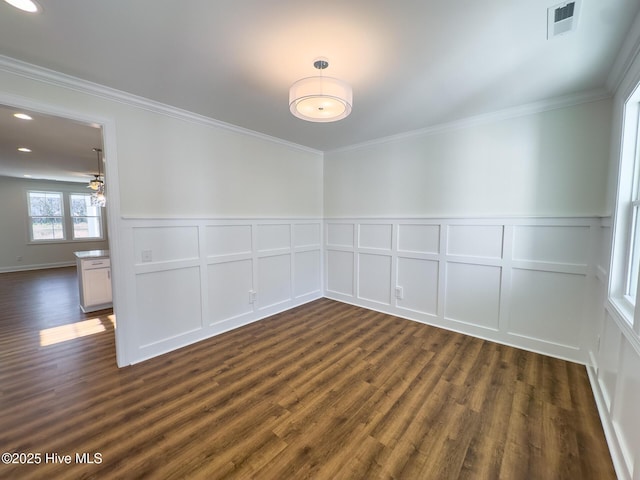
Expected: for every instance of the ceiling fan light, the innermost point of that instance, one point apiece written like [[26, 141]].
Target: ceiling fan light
[[95, 183]]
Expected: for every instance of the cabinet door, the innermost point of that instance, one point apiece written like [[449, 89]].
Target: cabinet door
[[97, 286]]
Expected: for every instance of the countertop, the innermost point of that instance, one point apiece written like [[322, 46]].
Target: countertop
[[92, 254]]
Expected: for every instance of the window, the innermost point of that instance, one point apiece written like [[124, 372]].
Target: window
[[625, 264], [633, 215], [52, 215], [86, 219], [46, 216]]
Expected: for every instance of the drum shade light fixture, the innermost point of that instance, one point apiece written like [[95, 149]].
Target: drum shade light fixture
[[320, 98]]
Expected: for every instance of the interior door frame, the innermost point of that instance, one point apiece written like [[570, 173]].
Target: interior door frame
[[108, 127]]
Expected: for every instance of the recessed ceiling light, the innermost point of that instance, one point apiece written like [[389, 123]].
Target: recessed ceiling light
[[26, 176], [24, 149], [22, 116], [29, 6]]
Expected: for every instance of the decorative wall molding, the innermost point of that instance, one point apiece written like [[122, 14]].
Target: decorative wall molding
[[627, 54], [53, 77], [188, 280], [517, 281]]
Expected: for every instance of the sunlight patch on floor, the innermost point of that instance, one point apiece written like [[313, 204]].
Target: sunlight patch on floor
[[71, 331]]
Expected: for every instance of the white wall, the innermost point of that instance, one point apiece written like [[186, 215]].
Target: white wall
[[550, 163], [489, 227], [14, 240], [200, 169], [614, 368]]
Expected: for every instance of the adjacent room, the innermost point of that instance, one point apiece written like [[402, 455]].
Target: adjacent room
[[351, 240]]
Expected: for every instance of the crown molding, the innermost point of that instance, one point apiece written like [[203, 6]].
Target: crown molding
[[628, 53], [52, 77], [505, 114]]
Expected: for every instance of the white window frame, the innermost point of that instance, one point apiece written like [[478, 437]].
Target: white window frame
[[32, 239], [627, 210], [72, 217], [67, 219]]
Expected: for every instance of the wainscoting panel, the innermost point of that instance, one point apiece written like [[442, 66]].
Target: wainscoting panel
[[223, 240], [229, 287], [340, 234], [519, 281], [419, 238], [274, 237], [307, 272], [475, 240], [554, 244], [374, 278], [419, 280], [340, 272], [194, 278], [274, 280], [168, 304], [625, 417], [472, 294], [377, 237], [307, 235], [614, 366], [166, 244], [609, 358], [547, 306]]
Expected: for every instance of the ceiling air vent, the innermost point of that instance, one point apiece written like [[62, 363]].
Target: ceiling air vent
[[562, 18]]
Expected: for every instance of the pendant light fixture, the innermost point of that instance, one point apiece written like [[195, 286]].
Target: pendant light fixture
[[97, 182], [320, 98], [98, 198]]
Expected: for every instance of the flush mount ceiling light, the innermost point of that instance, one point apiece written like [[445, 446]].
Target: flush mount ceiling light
[[320, 98], [28, 6], [24, 149], [22, 116]]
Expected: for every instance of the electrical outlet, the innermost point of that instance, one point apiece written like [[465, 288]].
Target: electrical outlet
[[399, 293], [253, 296], [147, 256]]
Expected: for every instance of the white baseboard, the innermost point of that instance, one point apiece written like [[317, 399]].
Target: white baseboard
[[607, 425], [40, 266]]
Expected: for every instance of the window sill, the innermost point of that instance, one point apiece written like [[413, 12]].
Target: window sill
[[57, 242], [623, 308], [624, 320]]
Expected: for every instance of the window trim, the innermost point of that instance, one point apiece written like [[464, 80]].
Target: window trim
[[30, 218], [67, 219], [72, 217], [627, 196]]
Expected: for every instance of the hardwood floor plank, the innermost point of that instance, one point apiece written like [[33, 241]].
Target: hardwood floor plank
[[323, 391]]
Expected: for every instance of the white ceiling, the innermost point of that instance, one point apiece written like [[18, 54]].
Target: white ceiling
[[412, 64], [61, 149]]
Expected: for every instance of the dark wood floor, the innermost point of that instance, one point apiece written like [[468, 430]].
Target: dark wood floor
[[324, 391]]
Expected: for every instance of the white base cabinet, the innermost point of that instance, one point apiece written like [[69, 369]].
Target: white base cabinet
[[94, 280]]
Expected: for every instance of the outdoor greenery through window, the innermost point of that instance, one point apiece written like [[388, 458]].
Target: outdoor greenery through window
[[86, 217], [46, 216]]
